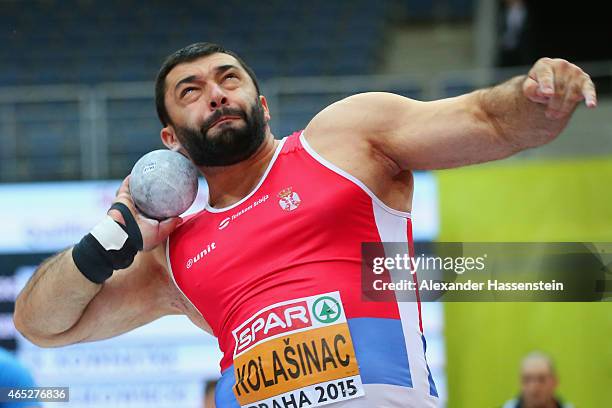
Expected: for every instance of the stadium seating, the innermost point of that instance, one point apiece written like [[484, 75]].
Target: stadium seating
[[88, 42]]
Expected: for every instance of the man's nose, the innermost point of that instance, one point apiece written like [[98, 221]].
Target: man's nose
[[218, 98]]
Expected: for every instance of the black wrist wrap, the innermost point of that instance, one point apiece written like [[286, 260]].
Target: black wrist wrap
[[98, 263]]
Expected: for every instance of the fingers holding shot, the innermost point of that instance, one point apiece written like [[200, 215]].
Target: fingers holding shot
[[364, 209]]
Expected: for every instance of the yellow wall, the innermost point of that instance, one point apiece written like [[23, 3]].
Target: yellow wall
[[568, 200]]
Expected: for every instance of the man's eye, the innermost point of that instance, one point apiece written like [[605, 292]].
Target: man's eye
[[187, 90], [228, 76]]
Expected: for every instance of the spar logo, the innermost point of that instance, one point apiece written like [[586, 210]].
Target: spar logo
[[271, 322], [284, 318], [326, 309]]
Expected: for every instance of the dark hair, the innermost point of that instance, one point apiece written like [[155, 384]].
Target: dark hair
[[188, 54]]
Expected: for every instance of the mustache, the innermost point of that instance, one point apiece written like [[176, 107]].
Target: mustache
[[219, 113]]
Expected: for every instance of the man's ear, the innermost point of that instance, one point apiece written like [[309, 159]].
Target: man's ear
[[264, 103], [169, 139]]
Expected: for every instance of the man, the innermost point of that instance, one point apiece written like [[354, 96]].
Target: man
[[272, 265], [538, 384]]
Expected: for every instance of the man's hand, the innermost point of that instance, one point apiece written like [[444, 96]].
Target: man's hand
[[153, 232], [560, 86]]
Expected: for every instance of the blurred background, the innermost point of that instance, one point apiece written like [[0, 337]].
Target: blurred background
[[77, 111]]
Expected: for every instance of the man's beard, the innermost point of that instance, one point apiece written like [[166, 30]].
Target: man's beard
[[230, 145]]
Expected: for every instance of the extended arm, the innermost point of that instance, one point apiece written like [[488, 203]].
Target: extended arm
[[484, 125]]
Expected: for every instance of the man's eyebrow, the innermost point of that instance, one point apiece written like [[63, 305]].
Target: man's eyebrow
[[222, 68], [192, 78], [189, 79]]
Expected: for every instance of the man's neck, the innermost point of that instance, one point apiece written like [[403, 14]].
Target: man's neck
[[229, 184]]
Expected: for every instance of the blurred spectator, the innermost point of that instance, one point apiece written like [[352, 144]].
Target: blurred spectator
[[209, 394], [513, 43], [13, 374], [538, 384]]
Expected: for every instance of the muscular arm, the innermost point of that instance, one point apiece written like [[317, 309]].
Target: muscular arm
[[36, 316], [59, 306], [484, 125]]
